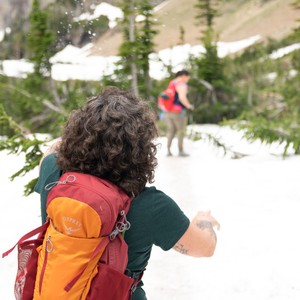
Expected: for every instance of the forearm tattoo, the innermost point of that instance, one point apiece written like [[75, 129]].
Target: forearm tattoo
[[181, 249], [207, 225]]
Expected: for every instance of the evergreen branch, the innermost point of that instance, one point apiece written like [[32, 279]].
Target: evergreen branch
[[21, 143], [216, 141], [53, 107], [269, 133], [209, 87], [14, 88], [5, 119]]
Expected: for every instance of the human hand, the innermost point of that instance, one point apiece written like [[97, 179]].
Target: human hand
[[191, 107], [206, 216]]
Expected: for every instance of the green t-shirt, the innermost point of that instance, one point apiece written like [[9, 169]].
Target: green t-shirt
[[154, 217]]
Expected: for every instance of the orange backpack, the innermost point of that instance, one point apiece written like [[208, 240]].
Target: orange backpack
[[79, 253]]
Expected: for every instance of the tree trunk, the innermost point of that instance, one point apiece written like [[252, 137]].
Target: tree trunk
[[134, 81]]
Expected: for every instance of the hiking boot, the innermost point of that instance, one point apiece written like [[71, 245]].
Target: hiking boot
[[183, 154]]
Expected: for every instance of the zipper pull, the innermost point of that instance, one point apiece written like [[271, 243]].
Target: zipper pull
[[69, 179], [49, 245], [49, 248]]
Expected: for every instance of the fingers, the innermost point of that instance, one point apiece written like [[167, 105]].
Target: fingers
[[217, 225], [206, 215]]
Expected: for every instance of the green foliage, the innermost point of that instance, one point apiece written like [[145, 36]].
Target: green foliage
[[40, 39], [217, 142], [268, 108], [207, 11], [209, 65], [296, 4], [162, 127], [31, 114], [19, 143], [215, 98], [145, 46], [274, 113], [17, 91], [270, 131], [136, 51], [43, 104]]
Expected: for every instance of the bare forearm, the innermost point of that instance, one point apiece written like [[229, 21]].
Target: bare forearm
[[184, 100], [200, 239]]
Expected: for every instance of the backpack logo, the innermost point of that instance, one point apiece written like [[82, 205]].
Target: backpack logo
[[69, 229]]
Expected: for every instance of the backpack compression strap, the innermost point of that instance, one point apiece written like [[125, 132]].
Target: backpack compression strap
[[101, 245], [27, 236], [121, 226]]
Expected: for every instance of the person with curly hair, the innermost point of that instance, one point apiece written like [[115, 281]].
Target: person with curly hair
[[112, 136]]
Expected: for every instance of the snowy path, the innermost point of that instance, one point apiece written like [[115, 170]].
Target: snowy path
[[256, 199]]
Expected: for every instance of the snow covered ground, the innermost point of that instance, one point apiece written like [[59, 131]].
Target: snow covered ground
[[256, 199], [77, 63]]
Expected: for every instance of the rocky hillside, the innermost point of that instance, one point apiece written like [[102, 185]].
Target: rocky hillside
[[9, 9], [239, 19]]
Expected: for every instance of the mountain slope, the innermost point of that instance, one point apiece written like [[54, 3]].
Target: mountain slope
[[240, 19]]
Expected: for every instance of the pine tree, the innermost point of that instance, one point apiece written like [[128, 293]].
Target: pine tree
[[210, 65], [137, 45], [127, 50], [145, 46], [40, 39], [207, 12], [276, 117], [210, 68]]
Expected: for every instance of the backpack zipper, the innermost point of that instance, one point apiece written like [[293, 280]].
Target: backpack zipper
[[125, 226], [71, 179], [92, 190], [49, 248]]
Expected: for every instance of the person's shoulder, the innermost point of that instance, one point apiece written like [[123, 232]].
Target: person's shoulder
[[48, 171], [152, 192], [180, 83], [50, 158], [167, 222], [152, 199], [177, 84], [48, 163]]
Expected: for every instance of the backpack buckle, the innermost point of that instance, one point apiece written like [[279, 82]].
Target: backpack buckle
[[133, 288], [121, 226]]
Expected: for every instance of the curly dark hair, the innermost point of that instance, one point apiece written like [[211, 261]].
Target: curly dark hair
[[112, 137]]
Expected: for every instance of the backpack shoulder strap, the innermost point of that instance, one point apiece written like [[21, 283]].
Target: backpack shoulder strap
[[172, 85]]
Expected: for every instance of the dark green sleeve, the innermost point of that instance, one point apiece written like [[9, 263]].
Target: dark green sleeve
[[49, 172], [169, 223]]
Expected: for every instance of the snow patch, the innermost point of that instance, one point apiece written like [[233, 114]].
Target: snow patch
[[113, 14], [284, 51], [77, 63]]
